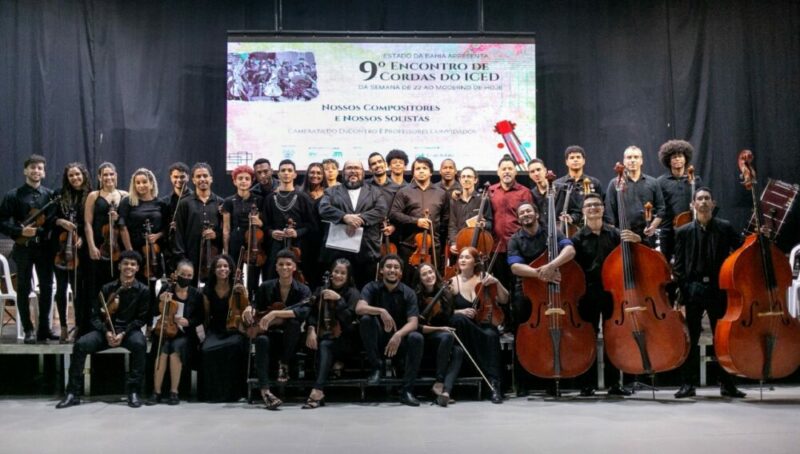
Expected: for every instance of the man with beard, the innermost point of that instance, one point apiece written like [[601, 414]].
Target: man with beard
[[575, 158], [355, 205], [179, 178], [448, 173], [198, 218], [389, 319], [265, 183]]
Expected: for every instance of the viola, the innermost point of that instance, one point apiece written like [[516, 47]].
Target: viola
[[554, 342], [424, 244], [256, 256], [238, 300], [432, 306], [109, 248], [166, 326], [109, 309], [208, 250], [36, 218], [486, 308], [645, 335], [67, 256], [327, 323], [387, 247], [288, 242], [150, 252], [687, 216], [757, 338]]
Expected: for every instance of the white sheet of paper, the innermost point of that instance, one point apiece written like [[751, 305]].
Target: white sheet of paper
[[339, 239]]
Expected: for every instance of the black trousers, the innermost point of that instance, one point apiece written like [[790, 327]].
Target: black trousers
[[287, 335], [483, 342], [375, 338], [94, 342], [26, 258], [329, 350], [595, 307], [714, 303], [449, 357]]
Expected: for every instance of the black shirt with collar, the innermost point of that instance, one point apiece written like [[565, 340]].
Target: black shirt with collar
[[577, 194], [297, 300], [460, 211], [133, 309], [677, 193], [592, 249], [410, 204], [637, 193], [700, 251], [401, 302], [18, 204]]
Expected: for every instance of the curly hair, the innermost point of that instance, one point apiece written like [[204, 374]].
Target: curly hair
[[671, 148]]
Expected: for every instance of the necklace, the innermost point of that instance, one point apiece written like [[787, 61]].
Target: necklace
[[280, 201]]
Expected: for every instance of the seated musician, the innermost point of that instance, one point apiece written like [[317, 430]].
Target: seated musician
[[118, 319], [174, 351], [389, 312], [701, 247], [330, 328], [483, 339], [282, 301], [434, 324]]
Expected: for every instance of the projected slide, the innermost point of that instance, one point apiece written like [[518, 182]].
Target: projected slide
[[343, 99]]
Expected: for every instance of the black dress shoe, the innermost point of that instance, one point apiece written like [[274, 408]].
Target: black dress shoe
[[497, 393], [731, 391], [30, 337], [69, 400], [374, 377], [587, 391], [44, 336], [407, 398], [685, 391], [133, 400], [618, 390], [154, 400], [173, 399]]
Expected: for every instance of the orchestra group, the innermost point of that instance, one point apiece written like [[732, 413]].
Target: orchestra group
[[410, 274]]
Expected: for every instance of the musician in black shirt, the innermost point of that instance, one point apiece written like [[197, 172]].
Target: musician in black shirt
[[575, 158], [675, 155], [701, 247], [179, 178], [118, 319], [32, 246]]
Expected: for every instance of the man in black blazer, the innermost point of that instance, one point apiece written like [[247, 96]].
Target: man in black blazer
[[701, 247], [355, 205]]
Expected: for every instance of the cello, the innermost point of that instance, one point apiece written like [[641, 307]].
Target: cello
[[476, 237], [757, 338], [644, 334], [687, 216], [555, 342]]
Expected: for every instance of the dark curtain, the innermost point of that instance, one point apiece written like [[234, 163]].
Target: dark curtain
[[142, 83]]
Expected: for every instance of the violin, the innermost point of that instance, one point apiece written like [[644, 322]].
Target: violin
[[238, 300], [256, 255], [36, 218], [554, 342], [424, 243], [387, 247], [645, 335], [432, 306], [327, 323], [757, 338], [287, 241], [109, 249], [208, 250], [67, 256], [476, 237], [687, 216], [166, 326], [486, 308], [150, 252]]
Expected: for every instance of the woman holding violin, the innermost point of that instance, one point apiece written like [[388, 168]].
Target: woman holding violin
[[329, 327], [180, 309], [71, 251], [224, 351], [100, 218], [314, 188], [241, 213], [481, 338], [436, 309], [141, 223]]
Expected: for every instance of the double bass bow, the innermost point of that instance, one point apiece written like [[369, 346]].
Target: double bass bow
[[645, 335], [555, 342], [757, 338]]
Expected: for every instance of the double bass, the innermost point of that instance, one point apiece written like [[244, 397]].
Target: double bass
[[757, 338], [687, 216], [555, 342], [644, 335]]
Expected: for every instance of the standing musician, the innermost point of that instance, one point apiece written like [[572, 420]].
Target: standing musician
[[265, 183], [641, 188], [537, 172], [481, 338], [75, 187], [282, 301], [575, 158], [380, 179], [314, 188], [287, 202], [506, 196], [30, 247], [465, 206], [389, 315], [179, 179], [174, 351], [592, 245], [355, 205], [435, 326], [410, 205], [398, 160], [100, 210], [330, 168], [447, 175], [701, 247], [675, 155], [224, 352], [198, 218], [523, 248], [237, 216], [118, 318], [141, 206], [329, 327]]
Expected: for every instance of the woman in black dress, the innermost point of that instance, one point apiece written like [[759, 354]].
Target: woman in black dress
[[224, 353], [141, 209], [314, 187]]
